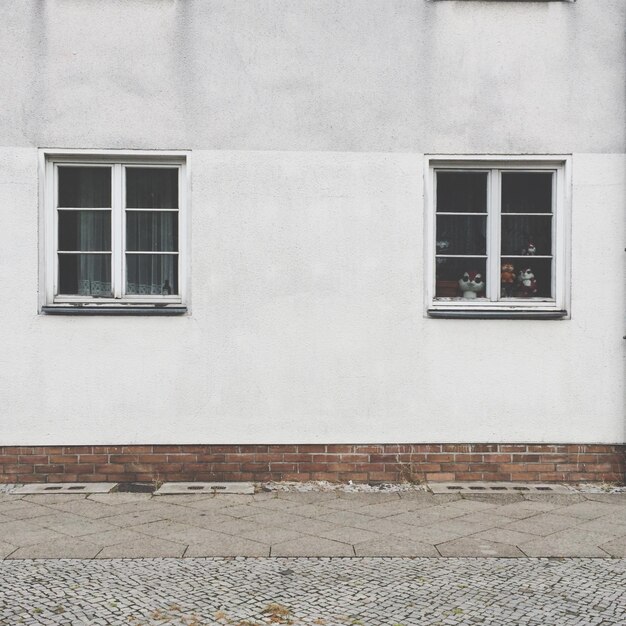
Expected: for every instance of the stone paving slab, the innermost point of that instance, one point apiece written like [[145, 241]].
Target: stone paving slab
[[297, 524], [314, 592]]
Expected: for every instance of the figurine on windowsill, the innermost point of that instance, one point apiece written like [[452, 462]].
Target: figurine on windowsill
[[442, 246], [526, 283], [471, 284], [529, 250], [507, 280]]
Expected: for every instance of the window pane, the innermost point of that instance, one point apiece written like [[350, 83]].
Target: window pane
[[85, 230], [464, 192], [84, 186], [527, 236], [85, 274], [147, 230], [526, 192], [460, 278], [461, 234], [151, 187], [526, 278], [152, 274]]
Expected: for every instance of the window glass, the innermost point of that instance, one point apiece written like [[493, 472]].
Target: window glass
[[85, 274], [461, 192], [151, 188], [152, 274], [84, 186], [526, 192], [85, 230], [152, 231]]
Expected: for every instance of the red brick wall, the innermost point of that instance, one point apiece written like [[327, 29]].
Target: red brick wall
[[356, 462]]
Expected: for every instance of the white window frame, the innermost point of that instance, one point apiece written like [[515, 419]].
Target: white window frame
[[553, 308], [50, 301]]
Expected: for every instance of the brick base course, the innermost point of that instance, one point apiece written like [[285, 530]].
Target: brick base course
[[332, 462]]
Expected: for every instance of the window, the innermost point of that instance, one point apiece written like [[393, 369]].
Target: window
[[496, 237], [114, 233]]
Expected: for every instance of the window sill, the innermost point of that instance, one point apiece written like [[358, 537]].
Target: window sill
[[478, 313], [95, 309]]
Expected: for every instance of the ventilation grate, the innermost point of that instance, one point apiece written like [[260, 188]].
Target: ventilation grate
[[54, 488], [466, 488], [179, 488]]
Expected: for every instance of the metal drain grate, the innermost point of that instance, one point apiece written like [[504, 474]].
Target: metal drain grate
[[497, 488], [179, 488], [86, 488]]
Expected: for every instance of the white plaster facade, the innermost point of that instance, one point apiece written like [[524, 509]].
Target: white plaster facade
[[307, 126]]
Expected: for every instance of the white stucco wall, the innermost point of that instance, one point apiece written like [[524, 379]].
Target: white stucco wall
[[307, 124]]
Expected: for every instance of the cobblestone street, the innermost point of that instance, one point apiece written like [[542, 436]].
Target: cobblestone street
[[314, 591]]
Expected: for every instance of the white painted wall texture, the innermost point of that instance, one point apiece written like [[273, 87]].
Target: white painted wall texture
[[307, 124]]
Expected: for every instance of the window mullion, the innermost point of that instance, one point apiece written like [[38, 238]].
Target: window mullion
[[493, 239], [117, 225]]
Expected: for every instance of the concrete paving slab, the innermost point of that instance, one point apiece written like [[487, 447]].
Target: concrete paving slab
[[242, 510], [269, 504], [143, 547], [78, 506], [462, 528], [348, 518], [52, 499], [240, 526], [347, 534], [311, 546], [217, 488], [6, 549], [615, 547], [585, 510], [117, 498], [560, 499], [609, 524], [224, 545], [23, 533], [469, 505], [268, 535], [501, 535], [114, 537], [174, 531], [307, 497], [473, 547], [485, 518], [386, 526], [23, 510], [203, 519], [64, 488], [424, 517], [464, 488], [388, 509], [59, 548], [543, 524], [567, 543], [616, 499], [525, 508], [136, 517], [72, 525], [427, 534], [394, 546], [275, 518], [312, 526], [310, 510]]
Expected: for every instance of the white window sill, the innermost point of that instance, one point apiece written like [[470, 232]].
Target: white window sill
[[477, 312], [118, 309]]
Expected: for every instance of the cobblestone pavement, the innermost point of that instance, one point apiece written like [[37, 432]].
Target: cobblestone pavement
[[315, 524], [314, 591]]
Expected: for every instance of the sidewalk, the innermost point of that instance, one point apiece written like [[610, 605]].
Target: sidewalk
[[312, 524]]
